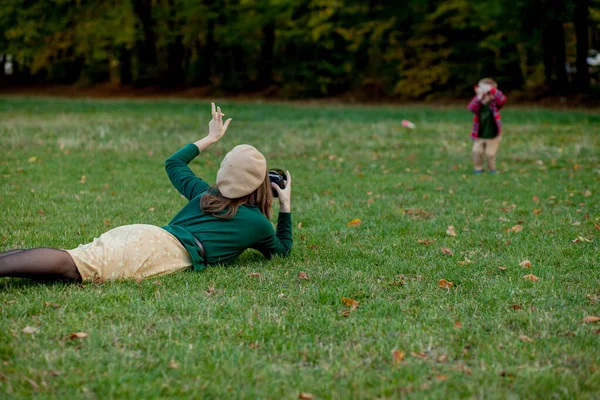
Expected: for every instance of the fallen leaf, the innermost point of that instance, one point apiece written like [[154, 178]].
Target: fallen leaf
[[32, 159], [587, 193], [444, 284], [536, 199], [397, 356], [531, 278], [344, 313], [525, 264], [210, 291], [79, 335], [426, 242], [82, 180], [517, 228], [173, 364], [41, 212], [447, 251], [450, 231], [516, 307], [580, 239], [441, 377], [503, 219], [525, 338], [350, 302], [281, 295], [418, 354], [306, 396], [254, 345], [537, 211], [303, 275], [443, 358], [53, 305], [300, 225], [502, 268], [590, 319], [157, 282], [457, 324], [597, 225], [594, 299], [151, 209], [254, 275], [30, 330], [354, 223]]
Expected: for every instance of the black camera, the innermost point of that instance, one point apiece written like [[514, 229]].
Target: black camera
[[277, 176]]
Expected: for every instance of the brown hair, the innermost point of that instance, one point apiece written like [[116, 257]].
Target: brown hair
[[214, 203], [489, 81]]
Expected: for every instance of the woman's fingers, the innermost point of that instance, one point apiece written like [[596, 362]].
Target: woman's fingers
[[276, 187], [289, 179], [214, 111], [226, 124]]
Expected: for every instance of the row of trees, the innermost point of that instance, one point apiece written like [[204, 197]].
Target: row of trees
[[303, 48]]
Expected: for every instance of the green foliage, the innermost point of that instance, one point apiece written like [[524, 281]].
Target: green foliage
[[304, 48]]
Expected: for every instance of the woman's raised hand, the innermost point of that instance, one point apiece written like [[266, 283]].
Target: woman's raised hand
[[216, 127], [285, 194]]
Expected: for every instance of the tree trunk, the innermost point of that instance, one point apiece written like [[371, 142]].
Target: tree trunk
[[125, 76], [555, 56], [265, 64], [147, 64], [582, 79], [176, 53]]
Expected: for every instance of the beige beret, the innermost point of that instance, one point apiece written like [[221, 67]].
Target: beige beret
[[242, 171]]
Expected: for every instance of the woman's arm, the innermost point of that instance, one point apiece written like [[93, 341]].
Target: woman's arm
[[280, 242], [277, 243], [181, 176]]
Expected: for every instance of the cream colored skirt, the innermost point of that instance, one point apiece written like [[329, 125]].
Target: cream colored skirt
[[130, 252]]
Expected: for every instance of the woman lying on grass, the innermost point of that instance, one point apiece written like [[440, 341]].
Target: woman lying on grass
[[217, 224]]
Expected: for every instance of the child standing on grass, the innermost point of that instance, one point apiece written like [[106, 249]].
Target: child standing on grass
[[487, 127]]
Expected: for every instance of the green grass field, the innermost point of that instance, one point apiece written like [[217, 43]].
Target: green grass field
[[72, 169]]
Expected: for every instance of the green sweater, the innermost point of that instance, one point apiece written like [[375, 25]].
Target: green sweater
[[487, 124], [223, 240]]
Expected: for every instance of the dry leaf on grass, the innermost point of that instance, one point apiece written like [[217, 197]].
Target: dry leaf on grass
[[525, 264], [447, 251], [426, 242], [516, 307], [517, 228], [457, 324], [350, 302], [450, 231], [306, 396], [587, 193], [354, 222], [254, 275], [525, 338], [536, 199], [303, 275], [441, 377], [443, 358], [30, 330], [444, 284], [537, 211], [397, 356], [532, 278], [173, 364], [597, 226], [591, 318], [78, 335], [418, 354], [580, 239], [502, 268]]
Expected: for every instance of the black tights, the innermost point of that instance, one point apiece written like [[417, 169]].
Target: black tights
[[41, 264]]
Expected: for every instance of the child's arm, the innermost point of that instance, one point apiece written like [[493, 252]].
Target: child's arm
[[499, 97], [474, 105]]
